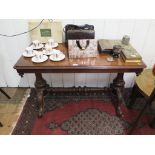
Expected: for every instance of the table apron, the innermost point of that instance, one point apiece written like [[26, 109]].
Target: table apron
[[22, 71]]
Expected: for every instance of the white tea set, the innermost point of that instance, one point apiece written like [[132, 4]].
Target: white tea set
[[40, 52]]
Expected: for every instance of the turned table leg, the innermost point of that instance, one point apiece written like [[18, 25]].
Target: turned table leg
[[40, 86], [117, 87]]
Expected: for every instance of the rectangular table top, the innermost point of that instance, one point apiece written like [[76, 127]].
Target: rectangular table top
[[81, 65]]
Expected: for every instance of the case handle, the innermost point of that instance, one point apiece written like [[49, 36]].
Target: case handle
[[80, 47]]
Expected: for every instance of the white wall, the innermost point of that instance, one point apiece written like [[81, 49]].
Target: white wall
[[142, 34]]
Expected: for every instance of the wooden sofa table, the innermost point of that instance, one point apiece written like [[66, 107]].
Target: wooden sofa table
[[83, 65]]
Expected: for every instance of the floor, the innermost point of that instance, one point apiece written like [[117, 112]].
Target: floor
[[10, 109]]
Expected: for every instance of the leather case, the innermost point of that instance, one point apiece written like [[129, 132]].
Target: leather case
[[75, 32]]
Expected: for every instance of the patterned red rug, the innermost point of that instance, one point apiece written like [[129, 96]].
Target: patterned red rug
[[90, 114]]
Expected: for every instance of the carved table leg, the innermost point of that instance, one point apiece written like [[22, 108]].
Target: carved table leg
[[40, 86], [117, 87]]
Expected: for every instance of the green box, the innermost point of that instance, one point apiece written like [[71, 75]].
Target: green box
[[45, 32]]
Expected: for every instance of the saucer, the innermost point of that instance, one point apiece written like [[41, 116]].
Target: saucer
[[37, 47], [59, 58], [34, 59], [28, 55], [53, 46]]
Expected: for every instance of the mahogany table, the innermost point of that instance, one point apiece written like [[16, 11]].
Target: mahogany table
[[83, 65]]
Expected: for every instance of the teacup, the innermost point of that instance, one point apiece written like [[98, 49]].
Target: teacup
[[56, 54], [29, 50], [36, 43], [48, 48], [51, 42], [39, 55]]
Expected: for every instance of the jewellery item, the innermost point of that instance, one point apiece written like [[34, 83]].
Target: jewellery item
[[110, 59]]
